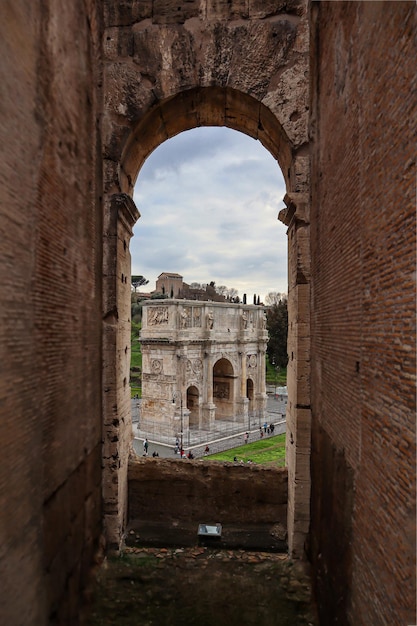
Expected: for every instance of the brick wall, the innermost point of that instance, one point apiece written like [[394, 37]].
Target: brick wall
[[50, 312], [166, 490], [363, 311]]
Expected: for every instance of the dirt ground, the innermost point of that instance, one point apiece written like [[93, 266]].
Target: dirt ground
[[200, 586]]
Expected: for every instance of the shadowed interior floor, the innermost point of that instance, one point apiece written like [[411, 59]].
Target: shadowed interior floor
[[200, 586]]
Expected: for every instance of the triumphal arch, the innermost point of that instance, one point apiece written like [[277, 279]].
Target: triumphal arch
[[202, 362]]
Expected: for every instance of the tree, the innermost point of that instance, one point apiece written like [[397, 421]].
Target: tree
[[138, 281], [274, 297], [232, 294], [136, 314], [277, 325], [222, 290], [159, 296]]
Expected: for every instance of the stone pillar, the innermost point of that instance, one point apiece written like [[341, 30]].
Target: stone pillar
[[120, 216], [208, 407], [242, 405], [243, 374], [261, 397], [298, 427]]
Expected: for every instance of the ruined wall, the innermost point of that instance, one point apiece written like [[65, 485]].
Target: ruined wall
[[363, 311], [50, 311], [189, 492]]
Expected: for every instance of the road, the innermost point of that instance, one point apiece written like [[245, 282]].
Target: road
[[216, 445]]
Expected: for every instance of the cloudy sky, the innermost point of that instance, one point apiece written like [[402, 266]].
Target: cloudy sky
[[209, 200]]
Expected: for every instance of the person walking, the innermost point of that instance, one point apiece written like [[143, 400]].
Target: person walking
[[246, 437], [145, 447]]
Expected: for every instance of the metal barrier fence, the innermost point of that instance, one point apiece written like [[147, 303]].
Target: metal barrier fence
[[167, 433]]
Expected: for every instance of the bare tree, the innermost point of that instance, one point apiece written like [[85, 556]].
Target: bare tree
[[275, 297], [231, 294]]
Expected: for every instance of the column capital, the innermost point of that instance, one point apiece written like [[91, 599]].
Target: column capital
[[125, 210], [297, 208]]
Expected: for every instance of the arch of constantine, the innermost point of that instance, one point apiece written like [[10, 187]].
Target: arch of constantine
[[202, 362]]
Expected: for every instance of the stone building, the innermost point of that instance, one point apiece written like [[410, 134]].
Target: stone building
[[202, 362], [89, 89], [170, 284]]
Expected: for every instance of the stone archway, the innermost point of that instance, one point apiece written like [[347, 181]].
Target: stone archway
[[224, 390], [193, 405], [250, 396], [166, 71]]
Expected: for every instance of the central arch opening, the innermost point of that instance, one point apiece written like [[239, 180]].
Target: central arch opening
[[224, 389]]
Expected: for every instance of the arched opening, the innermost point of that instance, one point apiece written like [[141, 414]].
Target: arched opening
[[204, 106], [223, 390], [198, 193], [250, 396], [193, 405], [210, 106]]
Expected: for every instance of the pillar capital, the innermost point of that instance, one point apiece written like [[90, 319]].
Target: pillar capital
[[297, 208]]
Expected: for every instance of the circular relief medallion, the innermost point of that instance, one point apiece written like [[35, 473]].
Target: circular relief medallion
[[156, 366]]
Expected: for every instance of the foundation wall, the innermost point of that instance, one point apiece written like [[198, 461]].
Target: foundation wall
[[172, 491]]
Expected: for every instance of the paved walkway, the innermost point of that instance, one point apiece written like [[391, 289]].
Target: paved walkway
[[218, 442]]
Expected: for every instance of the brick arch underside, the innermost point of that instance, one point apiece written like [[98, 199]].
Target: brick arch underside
[[204, 106]]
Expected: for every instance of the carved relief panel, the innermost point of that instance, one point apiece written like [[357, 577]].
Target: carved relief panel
[[251, 361], [157, 315]]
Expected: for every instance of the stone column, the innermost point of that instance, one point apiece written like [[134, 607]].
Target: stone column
[[208, 406], [298, 426], [261, 397], [243, 374], [243, 403]]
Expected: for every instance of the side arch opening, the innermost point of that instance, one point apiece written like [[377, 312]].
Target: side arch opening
[[193, 405]]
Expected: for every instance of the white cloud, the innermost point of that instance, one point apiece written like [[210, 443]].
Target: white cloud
[[209, 200]]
